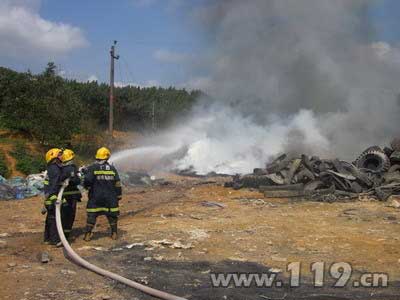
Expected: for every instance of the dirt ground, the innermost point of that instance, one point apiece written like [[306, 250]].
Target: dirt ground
[[179, 237]]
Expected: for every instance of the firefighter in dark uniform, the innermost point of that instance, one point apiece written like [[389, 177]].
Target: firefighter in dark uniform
[[102, 181], [52, 185], [71, 194]]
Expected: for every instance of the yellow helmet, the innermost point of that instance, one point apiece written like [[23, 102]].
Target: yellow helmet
[[52, 154], [67, 155], [103, 153]]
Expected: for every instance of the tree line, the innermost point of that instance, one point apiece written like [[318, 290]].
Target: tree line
[[53, 109]]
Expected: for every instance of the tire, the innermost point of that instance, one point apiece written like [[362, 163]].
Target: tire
[[305, 176], [394, 168], [313, 185], [278, 164], [289, 187], [395, 157], [373, 159], [253, 181], [395, 144]]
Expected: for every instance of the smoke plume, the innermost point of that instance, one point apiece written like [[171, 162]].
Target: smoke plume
[[299, 76]]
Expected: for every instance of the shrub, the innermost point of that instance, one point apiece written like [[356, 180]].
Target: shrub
[[27, 163], [4, 170]]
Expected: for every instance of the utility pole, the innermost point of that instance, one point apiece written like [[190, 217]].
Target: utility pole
[[111, 116]]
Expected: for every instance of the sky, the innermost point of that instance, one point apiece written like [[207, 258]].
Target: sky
[[160, 42]]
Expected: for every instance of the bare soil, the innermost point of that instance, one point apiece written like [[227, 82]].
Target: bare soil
[[11, 162], [246, 233]]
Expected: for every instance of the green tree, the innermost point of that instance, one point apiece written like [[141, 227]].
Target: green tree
[[50, 70], [53, 109], [43, 106]]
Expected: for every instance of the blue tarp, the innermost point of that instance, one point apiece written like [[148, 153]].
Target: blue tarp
[[20, 188]]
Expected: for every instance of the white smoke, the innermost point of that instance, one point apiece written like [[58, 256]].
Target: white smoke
[[226, 142], [301, 76]]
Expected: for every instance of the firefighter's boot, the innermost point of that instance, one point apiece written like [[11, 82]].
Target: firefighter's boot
[[113, 221]]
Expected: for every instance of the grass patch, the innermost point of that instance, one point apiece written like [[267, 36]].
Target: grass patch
[[4, 170], [27, 163]]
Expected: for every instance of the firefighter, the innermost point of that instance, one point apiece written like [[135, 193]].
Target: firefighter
[[71, 194], [52, 186], [102, 181]]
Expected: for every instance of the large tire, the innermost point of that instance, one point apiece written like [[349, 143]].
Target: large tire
[[395, 157], [362, 177], [314, 185], [373, 159], [253, 181], [278, 164], [305, 176], [294, 166], [395, 144]]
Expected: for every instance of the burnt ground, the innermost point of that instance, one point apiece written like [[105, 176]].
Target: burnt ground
[[192, 280], [246, 233]]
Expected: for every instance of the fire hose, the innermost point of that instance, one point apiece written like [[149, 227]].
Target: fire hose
[[85, 264]]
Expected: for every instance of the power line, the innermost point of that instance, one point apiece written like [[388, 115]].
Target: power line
[[132, 78], [121, 78]]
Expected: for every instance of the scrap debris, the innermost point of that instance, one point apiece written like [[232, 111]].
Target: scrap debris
[[375, 173], [21, 188], [134, 179], [45, 257], [18, 188], [212, 204]]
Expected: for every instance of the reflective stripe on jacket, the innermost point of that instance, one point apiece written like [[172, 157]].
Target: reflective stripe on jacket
[[72, 191], [52, 182], [103, 182]]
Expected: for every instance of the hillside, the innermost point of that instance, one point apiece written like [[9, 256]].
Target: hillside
[[53, 110], [21, 155]]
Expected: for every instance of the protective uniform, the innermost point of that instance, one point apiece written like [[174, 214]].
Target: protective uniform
[[102, 181], [52, 186], [71, 194]]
